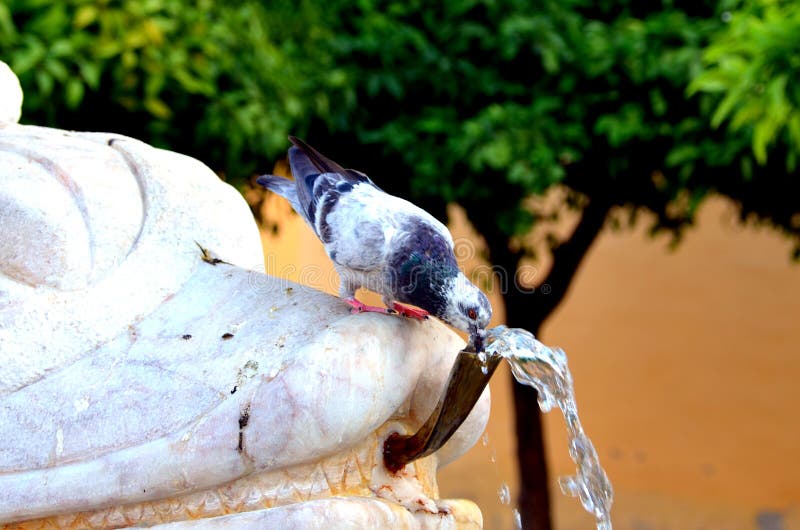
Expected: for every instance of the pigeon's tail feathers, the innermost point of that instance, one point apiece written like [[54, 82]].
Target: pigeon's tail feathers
[[285, 188], [280, 185]]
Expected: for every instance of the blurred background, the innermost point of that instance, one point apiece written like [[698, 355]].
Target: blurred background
[[620, 176]]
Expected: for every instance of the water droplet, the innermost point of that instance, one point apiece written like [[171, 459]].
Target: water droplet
[[604, 524], [485, 439], [504, 494], [517, 519], [483, 357]]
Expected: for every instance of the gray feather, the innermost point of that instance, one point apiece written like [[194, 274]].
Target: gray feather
[[320, 182], [286, 189]]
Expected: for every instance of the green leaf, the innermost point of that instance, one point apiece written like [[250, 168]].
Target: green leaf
[[724, 109], [44, 83], [762, 135], [497, 154], [90, 71], [710, 81], [57, 69], [85, 15], [682, 154], [7, 30], [793, 124], [28, 57], [747, 114], [157, 108], [73, 92], [192, 84], [61, 48]]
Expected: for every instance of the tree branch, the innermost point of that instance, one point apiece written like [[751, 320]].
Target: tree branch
[[529, 308]]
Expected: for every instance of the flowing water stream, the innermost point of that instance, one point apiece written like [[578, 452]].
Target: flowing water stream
[[545, 369]]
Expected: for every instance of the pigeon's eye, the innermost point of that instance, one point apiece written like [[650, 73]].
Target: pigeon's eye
[[472, 314]]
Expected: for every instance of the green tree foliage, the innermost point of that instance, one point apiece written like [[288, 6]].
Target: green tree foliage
[[753, 64], [224, 82], [496, 101], [486, 103]]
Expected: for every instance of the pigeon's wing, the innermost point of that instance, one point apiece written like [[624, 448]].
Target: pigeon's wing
[[317, 180], [358, 243], [308, 165], [422, 220], [366, 228], [320, 182], [316, 160], [436, 226]]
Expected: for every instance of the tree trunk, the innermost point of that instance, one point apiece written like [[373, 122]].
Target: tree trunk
[[533, 501]]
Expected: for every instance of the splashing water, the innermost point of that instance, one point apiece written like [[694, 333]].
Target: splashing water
[[545, 369], [504, 494], [517, 520], [483, 357]]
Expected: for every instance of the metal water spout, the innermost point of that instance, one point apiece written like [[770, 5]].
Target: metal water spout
[[468, 378]]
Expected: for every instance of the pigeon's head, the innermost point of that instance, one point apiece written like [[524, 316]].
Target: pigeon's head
[[467, 308]]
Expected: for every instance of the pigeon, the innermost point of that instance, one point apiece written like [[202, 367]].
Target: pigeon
[[382, 243]]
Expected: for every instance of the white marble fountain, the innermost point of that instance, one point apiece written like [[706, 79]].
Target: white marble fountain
[[143, 386]]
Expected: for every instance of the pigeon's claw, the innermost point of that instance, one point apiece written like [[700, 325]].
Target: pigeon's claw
[[410, 312], [358, 307]]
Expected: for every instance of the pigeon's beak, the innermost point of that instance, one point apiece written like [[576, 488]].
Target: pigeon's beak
[[477, 338]]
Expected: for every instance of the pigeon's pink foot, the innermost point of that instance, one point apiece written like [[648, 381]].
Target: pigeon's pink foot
[[358, 307], [410, 312]]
